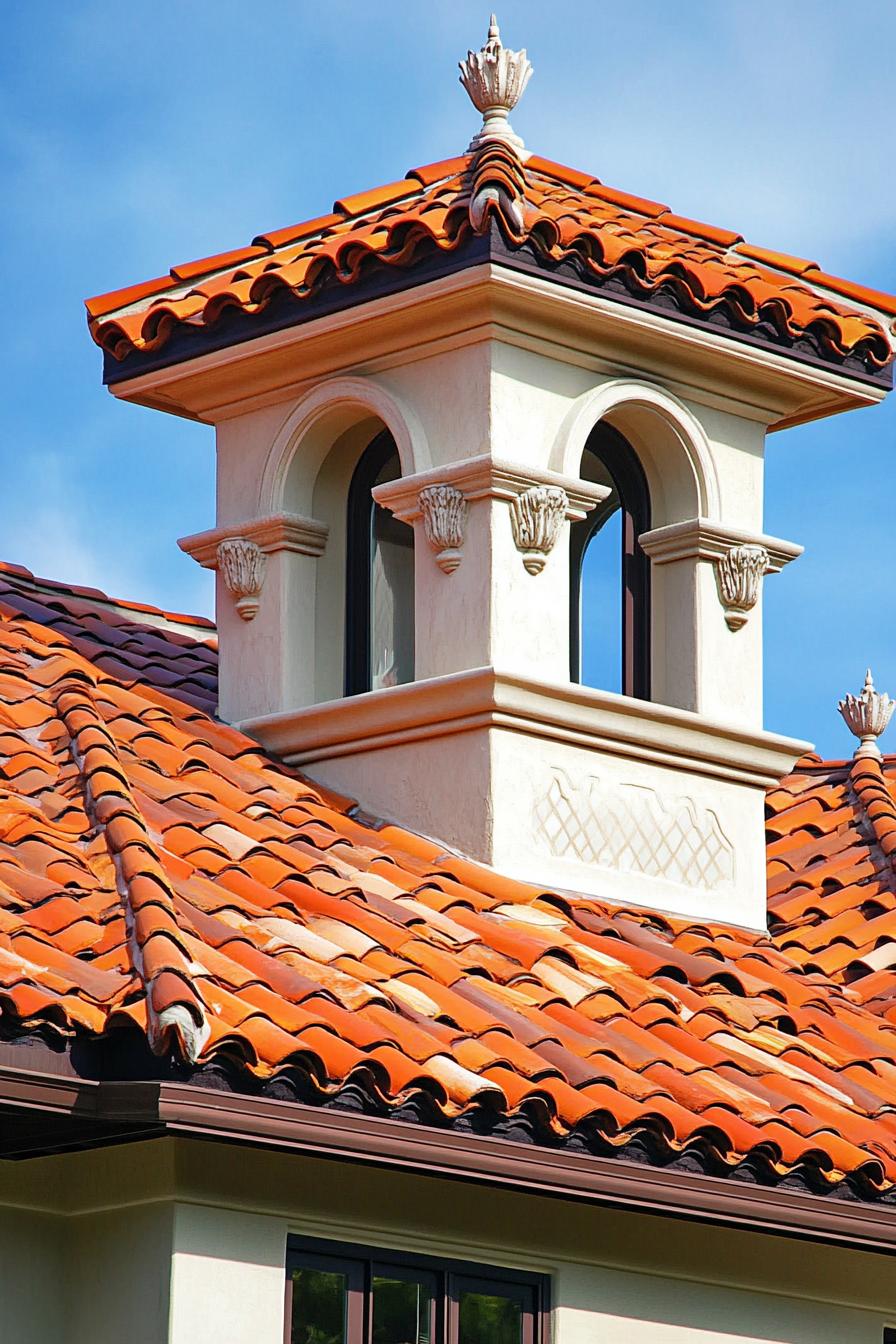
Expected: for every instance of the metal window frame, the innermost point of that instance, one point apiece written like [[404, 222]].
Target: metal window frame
[[359, 515], [360, 1264], [615, 452]]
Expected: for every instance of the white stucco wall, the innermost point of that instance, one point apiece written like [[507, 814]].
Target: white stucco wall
[[207, 1266], [31, 1277]]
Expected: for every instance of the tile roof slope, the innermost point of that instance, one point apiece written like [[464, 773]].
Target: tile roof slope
[[159, 872], [565, 215], [832, 874]]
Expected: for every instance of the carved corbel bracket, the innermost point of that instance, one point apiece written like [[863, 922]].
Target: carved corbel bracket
[[555, 498], [242, 564], [239, 552], [444, 512], [536, 517], [738, 573], [740, 559]]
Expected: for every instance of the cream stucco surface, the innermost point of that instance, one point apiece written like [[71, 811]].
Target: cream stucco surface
[[522, 394], [185, 1242]]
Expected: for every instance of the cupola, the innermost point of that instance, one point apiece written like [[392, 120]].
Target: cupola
[[489, 541]]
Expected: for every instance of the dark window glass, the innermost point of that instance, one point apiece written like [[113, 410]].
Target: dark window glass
[[490, 1318], [391, 615], [359, 1297], [609, 636], [379, 602], [319, 1299], [403, 1308]]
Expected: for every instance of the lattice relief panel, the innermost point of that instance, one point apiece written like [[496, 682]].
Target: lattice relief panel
[[632, 829]]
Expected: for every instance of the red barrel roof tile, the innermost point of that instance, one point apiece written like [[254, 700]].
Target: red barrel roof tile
[[564, 214], [159, 871]]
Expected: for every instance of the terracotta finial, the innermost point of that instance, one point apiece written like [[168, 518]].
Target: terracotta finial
[[867, 715], [495, 78]]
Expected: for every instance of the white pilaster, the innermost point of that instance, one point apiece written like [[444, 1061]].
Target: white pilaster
[[228, 1275]]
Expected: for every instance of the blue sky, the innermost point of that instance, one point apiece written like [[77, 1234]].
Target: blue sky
[[134, 136]]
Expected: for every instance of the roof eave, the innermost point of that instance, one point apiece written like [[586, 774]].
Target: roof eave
[[138, 1110], [195, 374]]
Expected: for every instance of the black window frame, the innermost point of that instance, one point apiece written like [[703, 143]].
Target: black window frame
[[627, 474], [360, 1264], [359, 516]]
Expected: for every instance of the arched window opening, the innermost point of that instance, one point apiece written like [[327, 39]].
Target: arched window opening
[[379, 608], [610, 573]]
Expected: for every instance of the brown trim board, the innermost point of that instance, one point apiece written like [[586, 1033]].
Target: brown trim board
[[140, 1110]]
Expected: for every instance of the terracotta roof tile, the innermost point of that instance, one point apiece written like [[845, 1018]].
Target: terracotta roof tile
[[567, 215], [155, 863]]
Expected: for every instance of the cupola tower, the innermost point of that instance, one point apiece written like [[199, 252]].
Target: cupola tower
[[489, 541]]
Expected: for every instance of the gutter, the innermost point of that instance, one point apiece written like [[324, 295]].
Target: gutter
[[139, 1110]]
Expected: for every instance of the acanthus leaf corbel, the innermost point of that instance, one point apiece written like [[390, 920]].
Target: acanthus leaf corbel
[[740, 559], [444, 512], [738, 573], [242, 565], [536, 516]]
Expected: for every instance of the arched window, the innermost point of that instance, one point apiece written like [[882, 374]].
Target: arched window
[[379, 606], [610, 573]]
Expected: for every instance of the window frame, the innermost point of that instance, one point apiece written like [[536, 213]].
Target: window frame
[[359, 517], [360, 1264], [628, 477]]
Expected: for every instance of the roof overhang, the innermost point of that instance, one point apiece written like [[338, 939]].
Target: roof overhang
[[484, 290], [61, 1113]]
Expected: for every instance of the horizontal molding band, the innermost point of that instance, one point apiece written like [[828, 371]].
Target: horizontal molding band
[[183, 1109], [487, 698]]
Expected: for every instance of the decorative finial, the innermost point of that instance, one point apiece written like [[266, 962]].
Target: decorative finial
[[867, 716], [495, 78]]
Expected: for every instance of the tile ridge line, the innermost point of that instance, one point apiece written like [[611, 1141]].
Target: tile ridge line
[[873, 795], [176, 1015]]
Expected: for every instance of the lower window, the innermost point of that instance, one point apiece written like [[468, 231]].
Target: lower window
[[339, 1294]]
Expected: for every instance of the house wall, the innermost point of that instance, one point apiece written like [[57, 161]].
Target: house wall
[[201, 1260], [31, 1277]]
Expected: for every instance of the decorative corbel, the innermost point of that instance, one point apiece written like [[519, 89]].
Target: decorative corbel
[[738, 573], [538, 500], [867, 716], [242, 566], [444, 512], [240, 552], [740, 559], [536, 516]]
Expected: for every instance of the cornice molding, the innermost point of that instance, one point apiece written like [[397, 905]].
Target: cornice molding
[[487, 698], [487, 297], [153, 1109], [277, 532], [705, 539]]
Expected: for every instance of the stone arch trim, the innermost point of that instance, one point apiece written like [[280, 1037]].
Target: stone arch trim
[[695, 461], [335, 404]]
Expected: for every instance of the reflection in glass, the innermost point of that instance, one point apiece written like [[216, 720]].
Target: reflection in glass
[[391, 592], [596, 545], [318, 1307], [601, 605], [487, 1318], [402, 1310]]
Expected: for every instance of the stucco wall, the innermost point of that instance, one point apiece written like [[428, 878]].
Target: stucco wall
[[31, 1277], [202, 1262], [118, 1271]]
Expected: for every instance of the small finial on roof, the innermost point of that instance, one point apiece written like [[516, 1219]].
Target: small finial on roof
[[495, 78], [867, 715]]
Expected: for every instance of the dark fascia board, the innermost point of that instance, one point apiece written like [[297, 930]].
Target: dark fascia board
[[382, 280], [140, 1110]]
